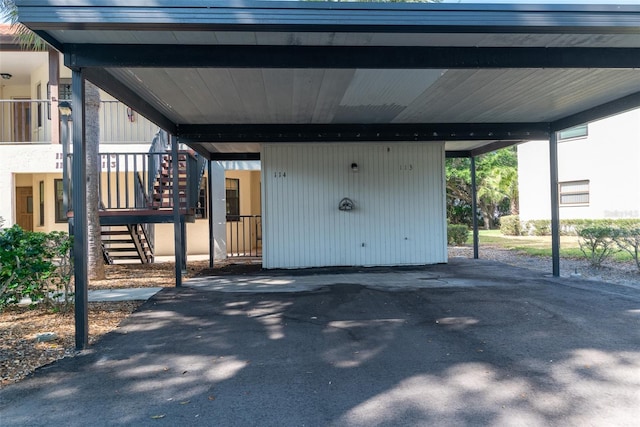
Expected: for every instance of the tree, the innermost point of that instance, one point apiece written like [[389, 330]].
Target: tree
[[28, 39], [95, 259], [497, 187]]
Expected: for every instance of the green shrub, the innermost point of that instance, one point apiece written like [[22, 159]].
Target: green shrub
[[628, 240], [510, 225], [61, 245], [597, 243], [33, 265], [457, 234], [572, 226], [538, 227]]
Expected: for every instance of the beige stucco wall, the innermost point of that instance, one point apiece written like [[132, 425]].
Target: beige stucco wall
[[241, 235], [10, 92]]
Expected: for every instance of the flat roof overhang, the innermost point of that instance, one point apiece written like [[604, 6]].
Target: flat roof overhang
[[227, 77]]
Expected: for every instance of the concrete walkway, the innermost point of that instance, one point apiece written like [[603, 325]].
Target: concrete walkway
[[130, 294], [465, 344]]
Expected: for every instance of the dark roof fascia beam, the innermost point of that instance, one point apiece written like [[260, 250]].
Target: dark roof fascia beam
[[599, 112], [200, 150], [323, 57], [49, 39], [109, 84], [234, 156], [195, 134]]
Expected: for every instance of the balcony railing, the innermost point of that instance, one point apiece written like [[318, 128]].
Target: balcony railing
[[29, 121], [144, 181]]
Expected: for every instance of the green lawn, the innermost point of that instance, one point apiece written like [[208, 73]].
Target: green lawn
[[536, 245]]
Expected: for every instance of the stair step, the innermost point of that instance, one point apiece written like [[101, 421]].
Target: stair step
[[168, 190], [114, 232], [116, 257]]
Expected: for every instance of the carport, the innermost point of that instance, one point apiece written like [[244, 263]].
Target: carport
[[229, 77]]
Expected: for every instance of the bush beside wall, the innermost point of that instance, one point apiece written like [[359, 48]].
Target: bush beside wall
[[34, 265], [510, 225], [457, 234], [568, 227]]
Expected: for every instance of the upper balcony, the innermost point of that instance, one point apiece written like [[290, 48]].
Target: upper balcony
[[29, 121]]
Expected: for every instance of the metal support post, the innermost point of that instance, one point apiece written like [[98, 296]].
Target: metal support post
[[183, 237], [555, 203], [80, 242], [65, 114], [210, 209], [177, 226], [474, 208]]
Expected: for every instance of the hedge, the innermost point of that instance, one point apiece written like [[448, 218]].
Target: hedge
[[457, 234]]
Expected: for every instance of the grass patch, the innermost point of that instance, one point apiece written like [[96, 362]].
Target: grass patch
[[537, 245]]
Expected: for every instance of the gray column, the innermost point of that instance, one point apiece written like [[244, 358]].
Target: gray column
[[177, 226], [555, 203], [79, 199], [210, 209], [474, 208], [183, 238], [54, 79]]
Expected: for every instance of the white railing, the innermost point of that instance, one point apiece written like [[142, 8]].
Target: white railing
[[29, 121]]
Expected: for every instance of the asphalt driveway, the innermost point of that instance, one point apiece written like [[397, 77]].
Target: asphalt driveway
[[469, 343]]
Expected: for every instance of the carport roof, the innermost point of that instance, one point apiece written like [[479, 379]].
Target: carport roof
[[226, 76]]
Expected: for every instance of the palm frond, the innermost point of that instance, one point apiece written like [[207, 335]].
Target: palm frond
[[27, 39]]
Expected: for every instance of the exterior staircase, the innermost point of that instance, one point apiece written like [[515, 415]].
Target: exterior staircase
[[162, 195], [128, 231], [126, 243]]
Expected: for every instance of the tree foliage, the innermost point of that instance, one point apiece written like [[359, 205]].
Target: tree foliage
[[34, 265], [497, 187], [30, 41]]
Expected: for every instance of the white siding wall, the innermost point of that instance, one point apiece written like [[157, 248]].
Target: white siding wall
[[398, 192], [608, 157]]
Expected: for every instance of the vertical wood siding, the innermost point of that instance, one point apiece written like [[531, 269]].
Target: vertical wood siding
[[399, 197]]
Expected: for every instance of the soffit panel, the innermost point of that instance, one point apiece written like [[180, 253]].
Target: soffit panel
[[517, 95], [244, 147], [293, 96]]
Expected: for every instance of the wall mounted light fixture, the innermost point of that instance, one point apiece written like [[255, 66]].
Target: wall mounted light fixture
[[354, 167], [65, 108], [5, 76]]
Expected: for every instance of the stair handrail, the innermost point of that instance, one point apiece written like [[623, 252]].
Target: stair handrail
[[159, 145], [142, 201]]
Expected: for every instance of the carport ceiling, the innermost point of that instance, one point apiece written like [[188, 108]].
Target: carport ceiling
[[227, 76]]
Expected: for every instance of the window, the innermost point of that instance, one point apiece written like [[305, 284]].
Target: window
[[64, 90], [574, 192], [61, 215], [41, 186], [233, 199], [575, 132], [201, 209]]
